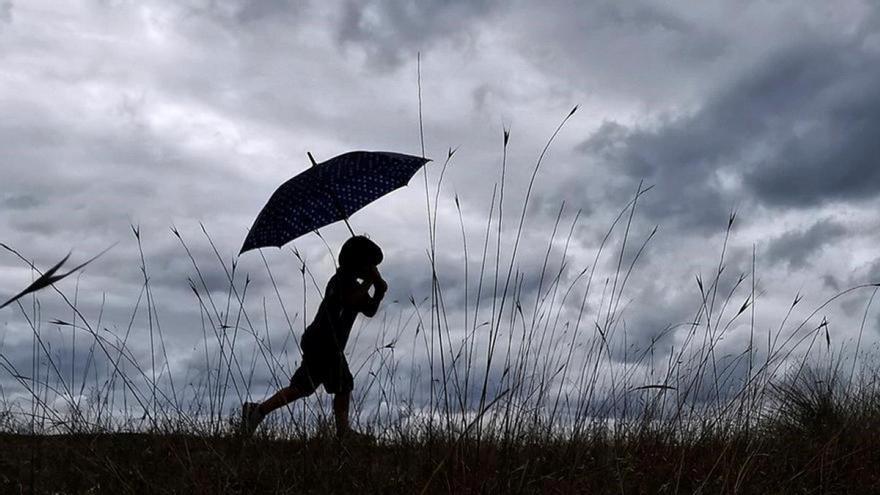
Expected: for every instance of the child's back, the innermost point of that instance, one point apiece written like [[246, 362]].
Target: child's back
[[333, 322]]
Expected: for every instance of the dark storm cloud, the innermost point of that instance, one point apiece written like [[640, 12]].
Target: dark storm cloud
[[794, 248], [798, 129], [678, 160], [826, 147], [391, 32]]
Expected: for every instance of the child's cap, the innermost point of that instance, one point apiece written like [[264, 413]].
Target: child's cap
[[359, 251]]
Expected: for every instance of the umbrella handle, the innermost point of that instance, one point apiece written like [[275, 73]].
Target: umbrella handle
[[344, 219], [349, 226]]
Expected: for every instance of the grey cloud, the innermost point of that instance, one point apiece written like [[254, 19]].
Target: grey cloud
[[247, 12], [393, 31], [678, 160], [227, 95], [794, 248], [827, 147], [636, 14], [20, 202], [6, 11], [831, 282], [251, 10], [481, 94], [661, 317], [797, 130], [624, 52], [868, 273], [689, 39]]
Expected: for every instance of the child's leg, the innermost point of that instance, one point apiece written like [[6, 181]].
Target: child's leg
[[283, 397], [340, 410]]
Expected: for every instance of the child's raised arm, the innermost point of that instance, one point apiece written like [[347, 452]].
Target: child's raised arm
[[358, 296]]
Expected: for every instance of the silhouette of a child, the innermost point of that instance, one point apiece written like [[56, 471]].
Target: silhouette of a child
[[323, 342]]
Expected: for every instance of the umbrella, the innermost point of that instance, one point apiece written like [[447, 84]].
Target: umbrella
[[328, 192]]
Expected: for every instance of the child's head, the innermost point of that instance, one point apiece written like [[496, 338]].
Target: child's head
[[359, 253]]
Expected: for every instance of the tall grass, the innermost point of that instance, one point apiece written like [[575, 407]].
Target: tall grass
[[524, 360]]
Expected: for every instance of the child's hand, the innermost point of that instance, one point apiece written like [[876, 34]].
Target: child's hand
[[381, 285], [377, 280]]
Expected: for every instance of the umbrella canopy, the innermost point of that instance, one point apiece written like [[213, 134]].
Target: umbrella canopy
[[328, 192]]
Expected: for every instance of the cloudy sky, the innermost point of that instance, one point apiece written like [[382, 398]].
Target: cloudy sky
[[171, 114]]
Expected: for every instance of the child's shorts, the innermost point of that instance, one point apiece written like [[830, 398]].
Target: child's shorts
[[323, 368]]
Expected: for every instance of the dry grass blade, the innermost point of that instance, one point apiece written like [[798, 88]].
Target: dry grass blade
[[654, 387], [47, 278]]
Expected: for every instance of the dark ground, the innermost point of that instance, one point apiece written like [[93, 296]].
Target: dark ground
[[834, 462]]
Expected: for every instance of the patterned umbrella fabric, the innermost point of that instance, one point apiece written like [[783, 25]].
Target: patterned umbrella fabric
[[329, 192]]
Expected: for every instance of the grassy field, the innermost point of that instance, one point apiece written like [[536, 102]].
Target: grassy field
[[837, 455], [530, 385]]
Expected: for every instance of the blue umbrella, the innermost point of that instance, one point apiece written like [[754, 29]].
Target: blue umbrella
[[328, 192]]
